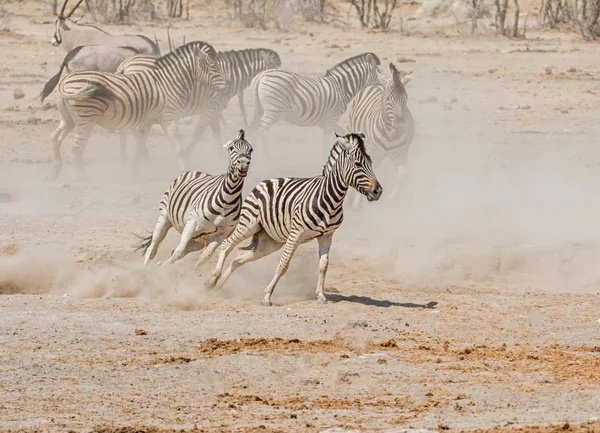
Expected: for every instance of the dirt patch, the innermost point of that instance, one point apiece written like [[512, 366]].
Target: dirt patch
[[214, 347], [557, 428], [580, 364]]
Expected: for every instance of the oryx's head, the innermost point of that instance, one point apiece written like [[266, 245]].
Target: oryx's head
[[357, 168], [61, 24], [271, 58], [396, 93], [207, 69], [240, 154]]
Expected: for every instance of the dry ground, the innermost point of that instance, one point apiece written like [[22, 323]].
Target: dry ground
[[469, 302]]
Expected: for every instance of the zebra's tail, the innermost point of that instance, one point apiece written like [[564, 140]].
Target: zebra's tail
[[252, 246], [144, 242], [52, 82]]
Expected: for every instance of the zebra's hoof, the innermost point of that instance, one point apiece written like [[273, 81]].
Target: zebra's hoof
[[210, 283], [266, 303], [321, 301]]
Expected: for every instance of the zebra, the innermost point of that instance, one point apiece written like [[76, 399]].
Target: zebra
[[134, 101], [202, 207], [290, 211], [381, 111], [239, 67], [303, 101]]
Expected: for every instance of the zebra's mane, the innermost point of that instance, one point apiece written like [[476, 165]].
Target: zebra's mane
[[186, 50], [233, 53], [337, 150], [354, 61]]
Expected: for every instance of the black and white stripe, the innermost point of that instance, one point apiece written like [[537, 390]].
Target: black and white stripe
[[380, 111], [240, 67], [303, 101], [287, 212], [136, 101], [202, 207]]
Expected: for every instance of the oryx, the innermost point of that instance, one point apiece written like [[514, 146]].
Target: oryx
[[70, 34]]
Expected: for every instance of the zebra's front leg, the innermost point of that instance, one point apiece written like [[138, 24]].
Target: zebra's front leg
[[263, 247], [191, 230], [324, 246], [215, 128], [171, 129], [241, 232], [291, 245], [210, 249], [65, 126]]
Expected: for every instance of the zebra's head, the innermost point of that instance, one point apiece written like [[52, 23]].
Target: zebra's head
[[358, 168], [396, 91], [240, 154], [271, 59], [208, 70]]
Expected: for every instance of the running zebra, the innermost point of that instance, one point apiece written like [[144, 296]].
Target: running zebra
[[303, 101], [202, 207], [287, 212], [238, 67], [381, 111], [134, 101]]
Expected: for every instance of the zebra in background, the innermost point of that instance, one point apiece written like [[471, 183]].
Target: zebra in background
[[238, 67], [134, 101], [303, 101], [202, 207], [381, 112], [287, 212]]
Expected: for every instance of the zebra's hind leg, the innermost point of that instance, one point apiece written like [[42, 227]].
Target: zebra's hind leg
[[64, 128], [292, 243], [324, 247], [82, 136], [123, 146], [260, 247], [160, 231]]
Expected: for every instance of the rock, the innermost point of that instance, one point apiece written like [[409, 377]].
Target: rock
[[428, 100], [405, 60], [33, 120], [572, 70], [5, 197], [491, 71], [548, 71], [18, 94], [523, 107]]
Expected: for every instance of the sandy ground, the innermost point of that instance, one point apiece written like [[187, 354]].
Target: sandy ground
[[469, 302]]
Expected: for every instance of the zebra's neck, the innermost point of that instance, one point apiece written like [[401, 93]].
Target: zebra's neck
[[348, 81], [231, 187], [335, 186], [388, 112], [183, 67]]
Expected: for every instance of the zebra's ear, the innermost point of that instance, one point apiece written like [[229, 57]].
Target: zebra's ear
[[226, 145], [361, 135], [241, 134], [405, 77], [342, 141]]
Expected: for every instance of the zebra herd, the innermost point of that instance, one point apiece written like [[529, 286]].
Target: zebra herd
[[147, 89]]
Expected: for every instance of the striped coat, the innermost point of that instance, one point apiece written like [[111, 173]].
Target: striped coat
[[287, 212], [134, 101]]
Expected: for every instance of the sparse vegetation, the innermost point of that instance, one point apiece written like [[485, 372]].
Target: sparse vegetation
[[580, 15], [4, 17], [375, 14]]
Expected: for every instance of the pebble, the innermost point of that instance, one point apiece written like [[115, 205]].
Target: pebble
[[18, 94]]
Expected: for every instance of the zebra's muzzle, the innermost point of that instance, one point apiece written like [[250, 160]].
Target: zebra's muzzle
[[375, 193]]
